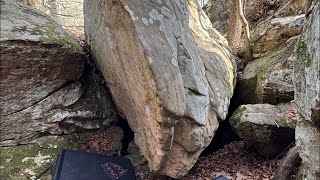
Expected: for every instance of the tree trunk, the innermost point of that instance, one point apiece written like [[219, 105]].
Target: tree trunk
[[236, 22], [247, 41], [235, 27]]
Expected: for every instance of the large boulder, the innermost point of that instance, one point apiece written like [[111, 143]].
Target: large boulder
[[271, 23], [269, 79], [307, 96], [270, 128], [286, 21], [171, 75], [43, 87]]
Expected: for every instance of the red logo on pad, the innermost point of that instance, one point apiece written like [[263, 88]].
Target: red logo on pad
[[114, 170]]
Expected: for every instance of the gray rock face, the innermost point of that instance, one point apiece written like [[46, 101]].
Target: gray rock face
[[307, 96], [218, 13], [67, 13], [307, 139], [307, 69], [171, 75], [269, 79], [40, 87], [270, 128]]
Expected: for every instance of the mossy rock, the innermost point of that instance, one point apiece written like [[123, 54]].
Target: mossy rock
[[268, 127], [269, 79], [23, 23], [19, 162]]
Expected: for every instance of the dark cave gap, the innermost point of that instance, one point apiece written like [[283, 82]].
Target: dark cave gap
[[128, 135], [225, 134]]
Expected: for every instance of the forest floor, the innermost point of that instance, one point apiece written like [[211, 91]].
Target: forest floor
[[236, 161]]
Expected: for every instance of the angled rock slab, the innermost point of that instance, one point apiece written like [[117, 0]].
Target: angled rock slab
[[171, 75], [307, 96], [269, 79], [268, 35], [270, 128], [42, 85]]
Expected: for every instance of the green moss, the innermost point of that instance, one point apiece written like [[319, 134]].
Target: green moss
[[283, 122], [236, 116], [262, 72], [304, 57], [51, 35], [21, 157], [13, 158], [239, 111]]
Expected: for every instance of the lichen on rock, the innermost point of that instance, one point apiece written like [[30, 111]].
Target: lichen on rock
[[28, 161]]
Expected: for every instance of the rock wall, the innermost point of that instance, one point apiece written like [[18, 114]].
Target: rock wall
[[46, 85], [170, 73], [307, 95]]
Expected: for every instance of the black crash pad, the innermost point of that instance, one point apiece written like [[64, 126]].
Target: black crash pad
[[79, 165]]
